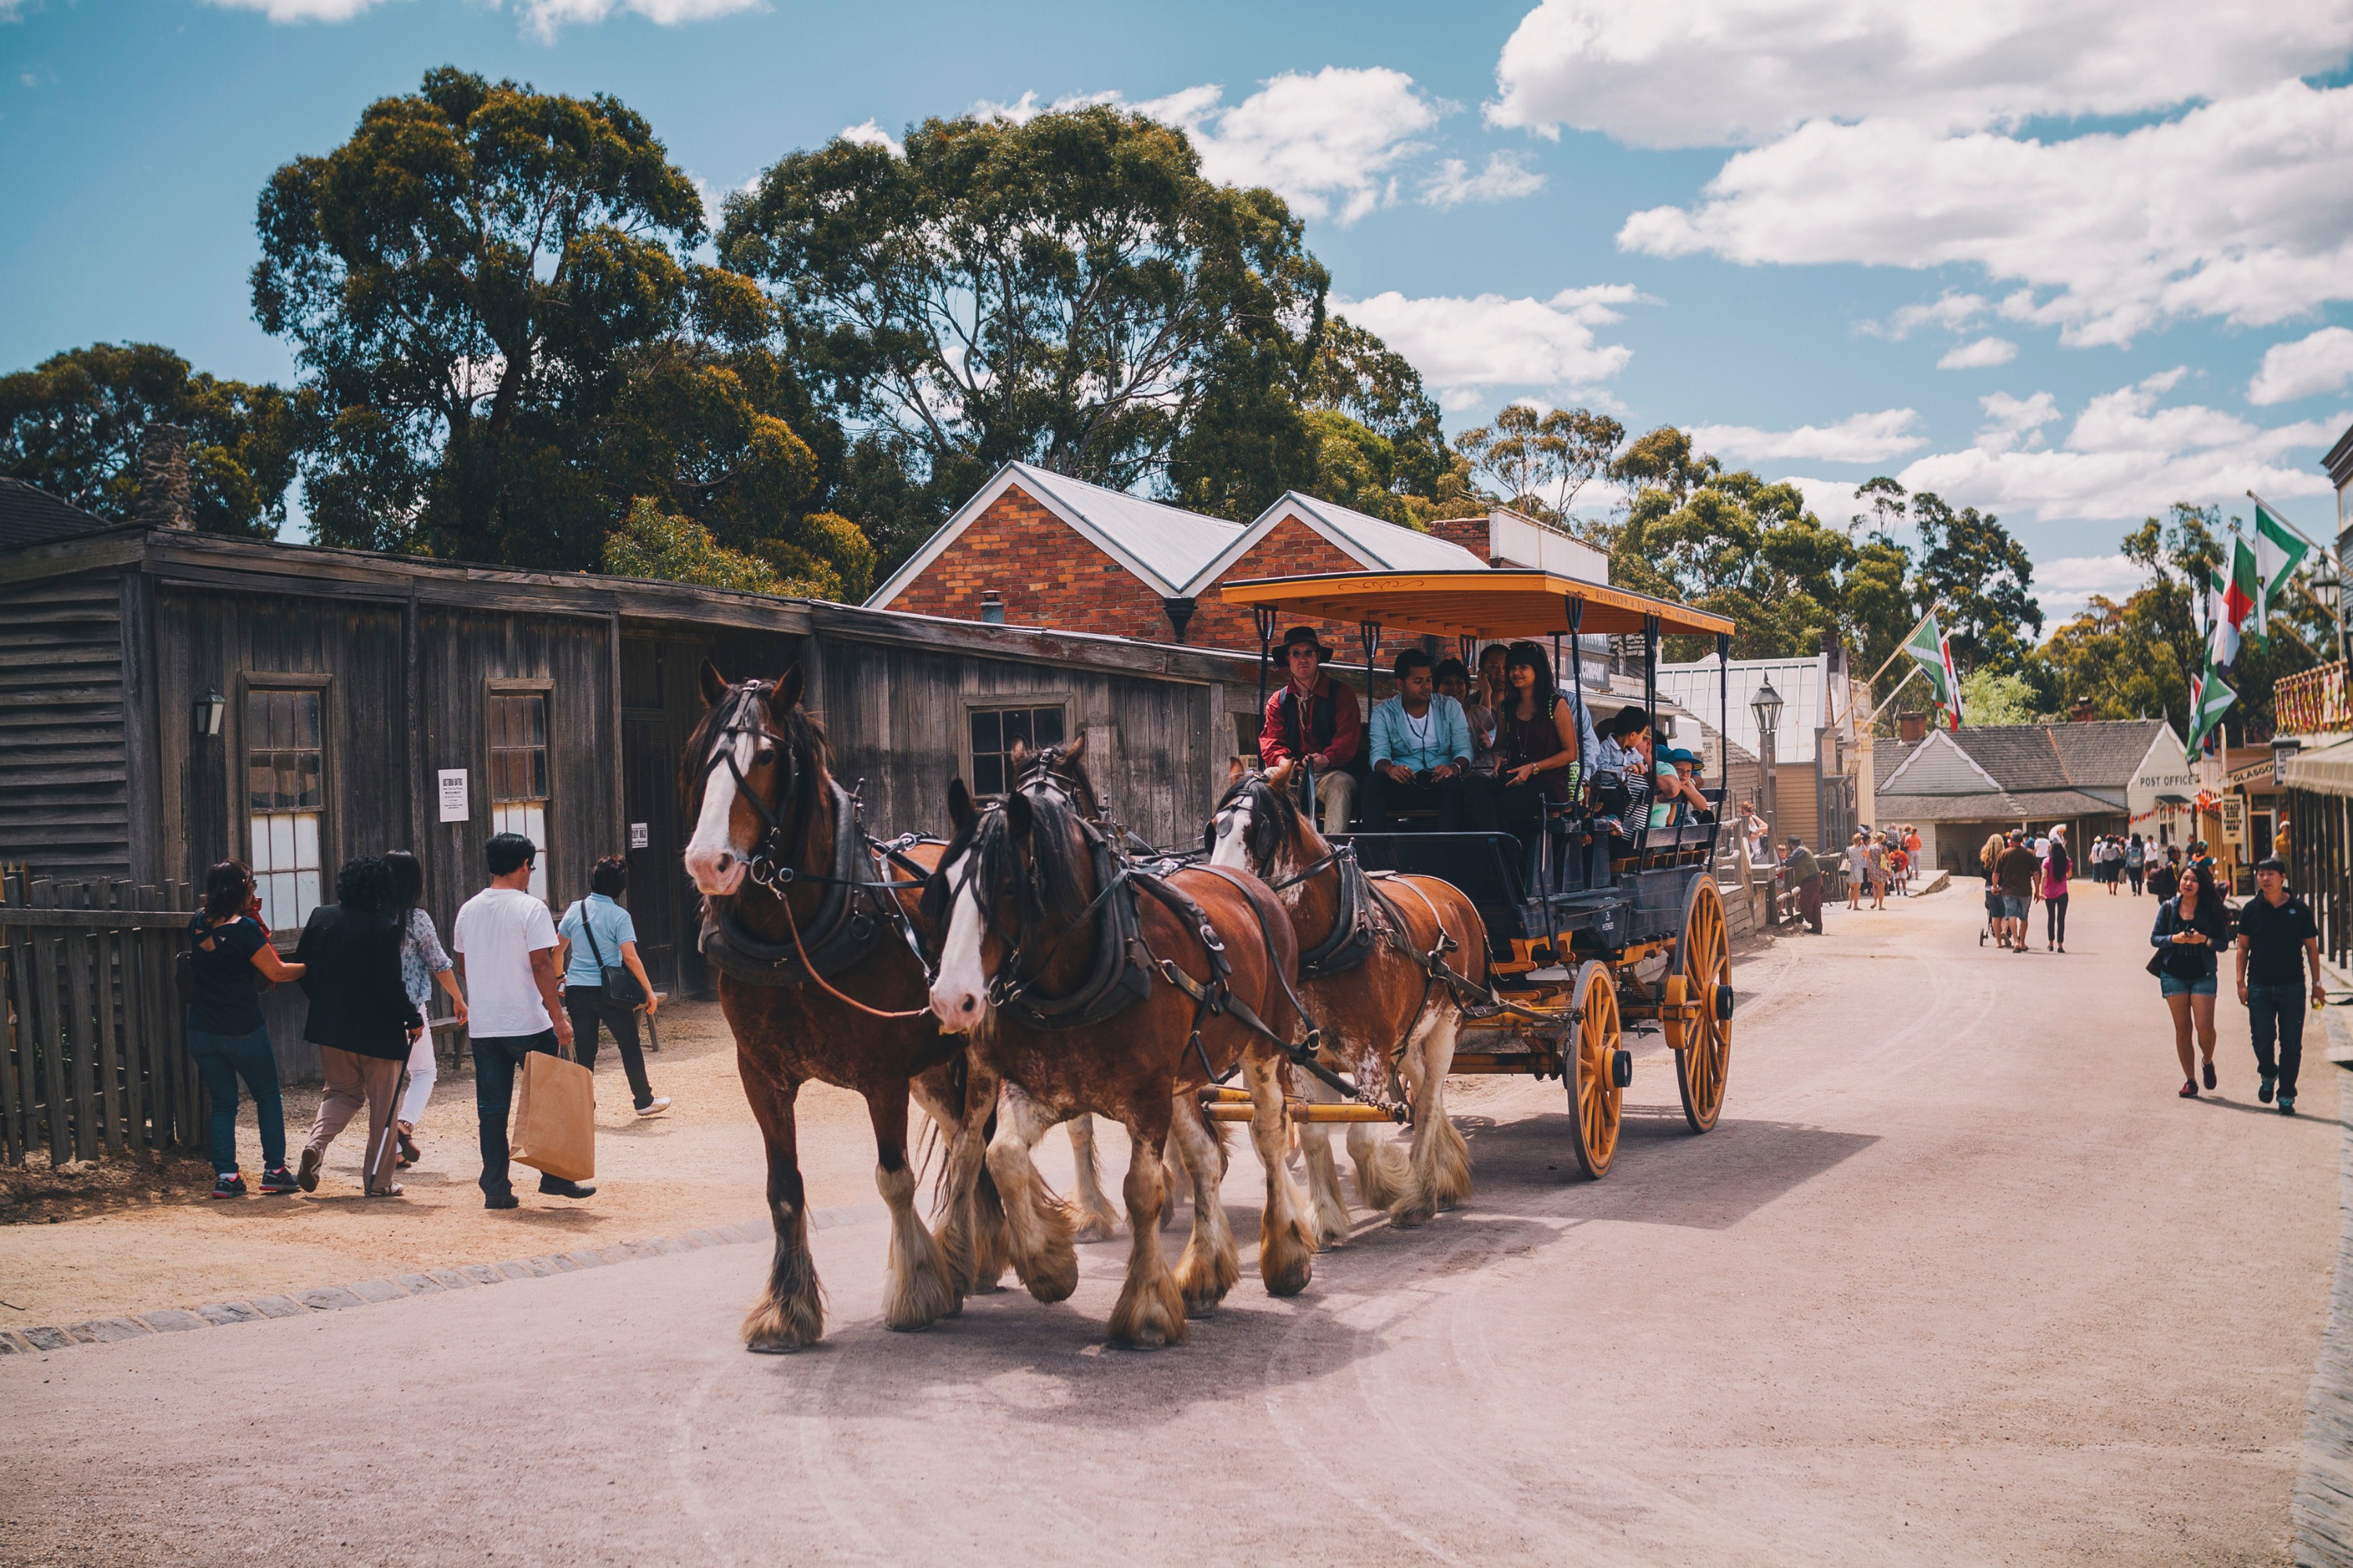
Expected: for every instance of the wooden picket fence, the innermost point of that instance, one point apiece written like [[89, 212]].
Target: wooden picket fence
[[93, 1054]]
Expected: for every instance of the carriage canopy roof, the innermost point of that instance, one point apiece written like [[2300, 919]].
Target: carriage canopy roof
[[1503, 603]]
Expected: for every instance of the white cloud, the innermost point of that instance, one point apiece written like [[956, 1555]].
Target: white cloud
[[1326, 143], [866, 132], [1979, 355], [1948, 310], [1682, 73], [1859, 438], [2242, 209], [1505, 177], [293, 10], [1831, 501], [2125, 457], [1465, 346], [545, 18], [2065, 586], [1022, 109], [2321, 363]]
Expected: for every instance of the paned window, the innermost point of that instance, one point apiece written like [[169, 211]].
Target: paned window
[[995, 732], [518, 774], [285, 797]]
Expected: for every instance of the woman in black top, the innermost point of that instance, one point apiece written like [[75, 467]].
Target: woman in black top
[[2191, 928], [361, 1019], [1536, 732], [228, 956]]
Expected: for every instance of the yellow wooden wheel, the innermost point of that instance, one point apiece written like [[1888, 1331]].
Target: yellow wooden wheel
[[1704, 964], [1671, 996], [1589, 1069]]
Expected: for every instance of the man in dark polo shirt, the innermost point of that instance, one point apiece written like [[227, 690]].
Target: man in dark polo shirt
[[2277, 939], [2015, 872]]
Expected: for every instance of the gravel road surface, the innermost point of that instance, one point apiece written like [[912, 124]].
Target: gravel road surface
[[1957, 1279]]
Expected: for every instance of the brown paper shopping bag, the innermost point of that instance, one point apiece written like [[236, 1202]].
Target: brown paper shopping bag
[[555, 1117]]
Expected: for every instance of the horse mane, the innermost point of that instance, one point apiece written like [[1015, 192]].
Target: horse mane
[[803, 739], [1274, 817], [1067, 767], [1059, 842]]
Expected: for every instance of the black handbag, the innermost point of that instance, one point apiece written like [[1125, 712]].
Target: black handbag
[[620, 985]]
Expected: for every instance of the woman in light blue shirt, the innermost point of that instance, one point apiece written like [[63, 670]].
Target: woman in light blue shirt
[[595, 935]]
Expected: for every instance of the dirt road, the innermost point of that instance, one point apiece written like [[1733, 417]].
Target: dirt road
[[1959, 1279]]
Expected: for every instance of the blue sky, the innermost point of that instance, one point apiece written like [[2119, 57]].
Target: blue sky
[[2126, 230]]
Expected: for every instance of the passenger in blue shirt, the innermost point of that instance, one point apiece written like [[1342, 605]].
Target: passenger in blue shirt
[[1421, 753], [595, 935]]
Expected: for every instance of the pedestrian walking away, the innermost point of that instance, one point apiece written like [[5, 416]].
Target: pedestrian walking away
[[2136, 863], [505, 945], [2056, 868], [598, 946], [2165, 876], [361, 1019], [2016, 873], [229, 958], [422, 965], [2278, 940], [1805, 875], [2192, 927]]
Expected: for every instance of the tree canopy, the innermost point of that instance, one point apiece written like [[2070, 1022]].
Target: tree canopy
[[72, 426], [1539, 460], [493, 295]]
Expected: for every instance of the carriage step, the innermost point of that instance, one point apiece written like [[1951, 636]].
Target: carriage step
[[1302, 1111], [1479, 1062]]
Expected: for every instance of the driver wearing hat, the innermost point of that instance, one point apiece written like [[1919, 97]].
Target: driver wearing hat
[[1314, 719]]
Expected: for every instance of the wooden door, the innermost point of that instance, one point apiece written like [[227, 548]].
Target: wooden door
[[660, 898]]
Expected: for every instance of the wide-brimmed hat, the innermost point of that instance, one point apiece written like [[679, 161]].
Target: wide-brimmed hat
[[1305, 635]]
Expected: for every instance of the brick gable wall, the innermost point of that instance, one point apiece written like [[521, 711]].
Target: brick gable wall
[[1048, 573]]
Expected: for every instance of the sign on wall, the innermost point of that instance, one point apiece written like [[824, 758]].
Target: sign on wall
[[2235, 819], [454, 805], [639, 837]]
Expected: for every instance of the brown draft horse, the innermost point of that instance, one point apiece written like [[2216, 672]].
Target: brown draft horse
[[1093, 1218], [773, 847], [1386, 1015], [1061, 961]]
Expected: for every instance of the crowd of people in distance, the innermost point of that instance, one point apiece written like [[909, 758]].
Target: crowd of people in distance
[[1880, 861], [517, 981]]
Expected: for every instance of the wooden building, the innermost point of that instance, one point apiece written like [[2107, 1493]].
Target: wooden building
[[168, 699]]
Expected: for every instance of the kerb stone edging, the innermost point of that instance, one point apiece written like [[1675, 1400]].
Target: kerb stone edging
[[2321, 1511], [399, 1287]]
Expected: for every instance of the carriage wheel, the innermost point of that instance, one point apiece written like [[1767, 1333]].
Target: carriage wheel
[[1704, 963], [1588, 1068]]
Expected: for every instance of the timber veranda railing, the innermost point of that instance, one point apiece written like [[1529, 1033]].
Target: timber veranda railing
[[93, 1054], [2312, 702]]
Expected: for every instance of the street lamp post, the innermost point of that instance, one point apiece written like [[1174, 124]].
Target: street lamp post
[[1766, 705]]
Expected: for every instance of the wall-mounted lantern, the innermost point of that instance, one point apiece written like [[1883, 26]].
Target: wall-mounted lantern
[[209, 708]]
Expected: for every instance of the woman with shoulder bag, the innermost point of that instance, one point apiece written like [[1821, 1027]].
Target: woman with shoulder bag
[[2192, 928], [422, 963], [604, 980], [229, 955]]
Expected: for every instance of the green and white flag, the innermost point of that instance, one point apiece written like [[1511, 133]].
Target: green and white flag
[[2279, 553], [1926, 648], [2221, 626], [2210, 699]]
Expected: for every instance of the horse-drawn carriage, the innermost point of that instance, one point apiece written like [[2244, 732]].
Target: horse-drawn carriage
[[1592, 931]]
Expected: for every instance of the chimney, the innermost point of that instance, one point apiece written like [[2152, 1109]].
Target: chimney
[[1911, 726], [992, 608], [164, 478], [1470, 533], [2082, 712]]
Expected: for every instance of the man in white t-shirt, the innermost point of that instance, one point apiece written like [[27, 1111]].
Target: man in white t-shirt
[[505, 946]]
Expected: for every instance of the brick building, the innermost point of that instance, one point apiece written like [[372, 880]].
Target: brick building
[[1074, 557]]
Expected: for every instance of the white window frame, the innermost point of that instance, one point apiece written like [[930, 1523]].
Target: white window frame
[[521, 814], [290, 852]]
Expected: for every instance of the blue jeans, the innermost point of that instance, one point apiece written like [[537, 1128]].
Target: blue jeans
[[2174, 985], [222, 1060], [496, 1062], [2277, 1009]]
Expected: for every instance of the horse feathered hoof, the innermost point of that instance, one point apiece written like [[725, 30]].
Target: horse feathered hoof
[[772, 1331], [1149, 1315]]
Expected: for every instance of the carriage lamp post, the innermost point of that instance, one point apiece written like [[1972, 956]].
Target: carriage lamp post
[[1766, 705], [209, 708]]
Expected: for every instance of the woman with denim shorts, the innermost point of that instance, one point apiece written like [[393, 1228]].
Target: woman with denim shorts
[[228, 953], [2191, 928]]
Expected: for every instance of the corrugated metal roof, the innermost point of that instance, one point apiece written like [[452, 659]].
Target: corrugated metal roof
[[1800, 682], [30, 515], [1169, 542], [1390, 547]]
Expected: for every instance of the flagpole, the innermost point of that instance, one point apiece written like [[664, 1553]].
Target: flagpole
[[1900, 646], [1916, 668], [2283, 522]]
